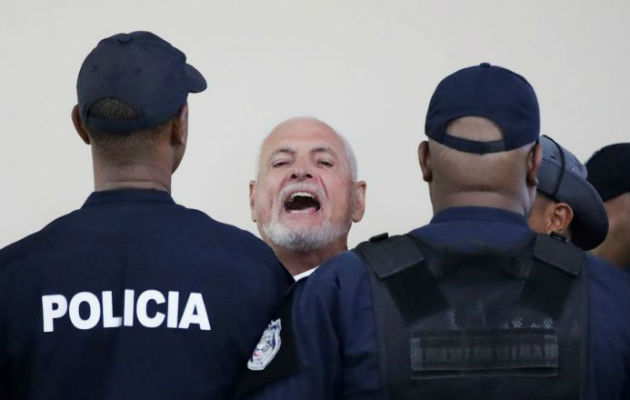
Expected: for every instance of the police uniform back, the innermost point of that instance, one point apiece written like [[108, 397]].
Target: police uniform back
[[133, 296]]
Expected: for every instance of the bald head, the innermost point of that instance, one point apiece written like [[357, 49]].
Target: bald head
[[305, 196], [302, 126], [503, 179]]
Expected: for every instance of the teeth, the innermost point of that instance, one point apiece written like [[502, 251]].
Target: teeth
[[301, 194]]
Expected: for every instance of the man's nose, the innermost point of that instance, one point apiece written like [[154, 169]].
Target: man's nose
[[301, 172], [301, 175]]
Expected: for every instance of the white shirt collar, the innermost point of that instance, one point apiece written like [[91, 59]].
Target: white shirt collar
[[304, 274]]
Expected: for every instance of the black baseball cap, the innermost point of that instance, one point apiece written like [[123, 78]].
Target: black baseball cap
[[486, 91], [562, 178], [141, 70], [609, 170]]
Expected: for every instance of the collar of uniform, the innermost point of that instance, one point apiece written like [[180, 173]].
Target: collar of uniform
[[122, 195], [480, 214]]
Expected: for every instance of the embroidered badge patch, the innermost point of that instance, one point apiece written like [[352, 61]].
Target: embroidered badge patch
[[267, 348]]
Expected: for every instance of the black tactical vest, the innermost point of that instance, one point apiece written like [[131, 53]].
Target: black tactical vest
[[487, 326]]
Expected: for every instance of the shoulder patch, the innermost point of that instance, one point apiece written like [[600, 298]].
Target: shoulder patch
[[276, 356], [267, 347]]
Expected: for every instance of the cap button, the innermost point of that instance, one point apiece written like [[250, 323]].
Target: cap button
[[124, 38], [485, 65]]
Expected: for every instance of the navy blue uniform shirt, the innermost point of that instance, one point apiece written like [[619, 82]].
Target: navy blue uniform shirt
[[133, 297], [334, 326]]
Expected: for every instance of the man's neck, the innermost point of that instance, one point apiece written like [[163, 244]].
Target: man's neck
[[131, 176], [480, 199], [297, 262]]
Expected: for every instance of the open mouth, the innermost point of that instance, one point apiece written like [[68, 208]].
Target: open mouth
[[302, 202]]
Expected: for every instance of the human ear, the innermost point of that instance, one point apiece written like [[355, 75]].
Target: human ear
[[252, 195], [179, 129], [359, 201], [561, 218], [78, 125], [534, 159], [424, 158]]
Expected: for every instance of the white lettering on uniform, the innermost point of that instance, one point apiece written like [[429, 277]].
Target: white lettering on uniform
[[141, 308], [128, 310], [173, 309], [109, 321], [50, 313], [195, 313], [95, 310], [55, 306]]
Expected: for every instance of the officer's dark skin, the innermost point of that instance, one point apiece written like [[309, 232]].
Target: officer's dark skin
[[505, 180], [141, 160]]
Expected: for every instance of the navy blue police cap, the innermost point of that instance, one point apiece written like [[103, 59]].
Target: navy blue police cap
[[141, 70], [609, 170], [486, 91], [562, 178]]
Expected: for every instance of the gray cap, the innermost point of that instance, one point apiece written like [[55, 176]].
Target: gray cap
[[562, 177]]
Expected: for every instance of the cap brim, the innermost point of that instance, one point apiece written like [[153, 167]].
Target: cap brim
[[196, 81], [590, 222]]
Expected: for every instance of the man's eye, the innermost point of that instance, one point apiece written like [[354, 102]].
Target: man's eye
[[325, 163], [279, 164]]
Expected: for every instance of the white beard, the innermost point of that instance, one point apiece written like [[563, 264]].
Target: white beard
[[303, 239]]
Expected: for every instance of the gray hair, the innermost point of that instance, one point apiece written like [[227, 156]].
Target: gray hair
[[352, 160]]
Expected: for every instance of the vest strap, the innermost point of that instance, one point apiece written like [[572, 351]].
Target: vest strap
[[398, 263]]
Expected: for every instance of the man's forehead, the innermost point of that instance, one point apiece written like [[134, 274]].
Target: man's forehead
[[294, 141], [292, 150]]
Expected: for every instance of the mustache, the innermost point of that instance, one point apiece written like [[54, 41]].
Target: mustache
[[298, 187]]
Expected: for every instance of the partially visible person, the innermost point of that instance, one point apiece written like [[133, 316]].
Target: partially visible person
[[609, 172], [304, 200], [566, 204], [133, 296], [306, 194]]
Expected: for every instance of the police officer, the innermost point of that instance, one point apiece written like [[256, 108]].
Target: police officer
[[472, 305], [566, 204], [609, 172], [133, 296]]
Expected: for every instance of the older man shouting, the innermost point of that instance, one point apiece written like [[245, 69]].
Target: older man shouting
[[306, 195]]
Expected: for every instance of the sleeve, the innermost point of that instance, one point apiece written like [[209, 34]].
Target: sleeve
[[4, 367], [609, 330], [335, 338]]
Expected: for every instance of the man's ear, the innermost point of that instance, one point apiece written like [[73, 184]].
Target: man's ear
[[359, 200], [78, 125], [179, 132], [534, 159], [252, 194], [561, 218], [424, 157]]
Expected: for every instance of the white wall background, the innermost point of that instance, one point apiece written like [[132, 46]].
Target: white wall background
[[366, 67]]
